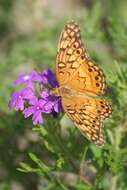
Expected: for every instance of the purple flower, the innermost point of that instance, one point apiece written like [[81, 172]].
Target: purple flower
[[28, 79], [37, 106], [48, 77], [58, 105], [18, 99], [52, 100], [35, 100]]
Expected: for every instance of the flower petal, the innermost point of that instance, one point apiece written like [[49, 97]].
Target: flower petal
[[11, 103], [28, 78], [58, 106], [16, 101], [33, 101], [37, 118], [19, 80], [41, 103], [48, 77], [19, 104], [28, 111], [35, 76], [27, 93], [29, 84], [45, 94], [48, 107]]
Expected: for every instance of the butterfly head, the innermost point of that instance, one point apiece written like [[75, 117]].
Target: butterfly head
[[62, 91], [55, 91]]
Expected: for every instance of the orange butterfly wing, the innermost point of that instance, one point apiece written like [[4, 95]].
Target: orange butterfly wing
[[88, 116], [73, 65], [80, 80]]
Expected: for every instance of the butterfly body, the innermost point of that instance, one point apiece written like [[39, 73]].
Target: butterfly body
[[67, 92], [81, 82]]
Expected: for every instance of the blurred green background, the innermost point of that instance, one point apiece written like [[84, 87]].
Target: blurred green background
[[29, 33]]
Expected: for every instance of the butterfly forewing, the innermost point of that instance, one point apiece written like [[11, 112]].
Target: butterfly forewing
[[73, 65], [70, 49]]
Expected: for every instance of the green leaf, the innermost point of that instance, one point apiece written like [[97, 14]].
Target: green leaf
[[48, 146], [40, 164], [24, 167]]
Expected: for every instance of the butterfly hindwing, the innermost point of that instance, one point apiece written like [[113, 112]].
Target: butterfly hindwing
[[88, 116]]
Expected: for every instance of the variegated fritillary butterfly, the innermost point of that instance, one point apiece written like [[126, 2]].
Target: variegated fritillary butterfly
[[80, 82]]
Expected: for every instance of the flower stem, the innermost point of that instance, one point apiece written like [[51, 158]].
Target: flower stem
[[66, 154]]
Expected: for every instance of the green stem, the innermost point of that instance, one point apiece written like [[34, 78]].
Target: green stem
[[56, 140], [114, 183]]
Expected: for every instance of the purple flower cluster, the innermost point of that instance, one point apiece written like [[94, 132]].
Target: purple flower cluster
[[36, 97]]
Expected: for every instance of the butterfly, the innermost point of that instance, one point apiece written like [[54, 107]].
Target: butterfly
[[81, 82]]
